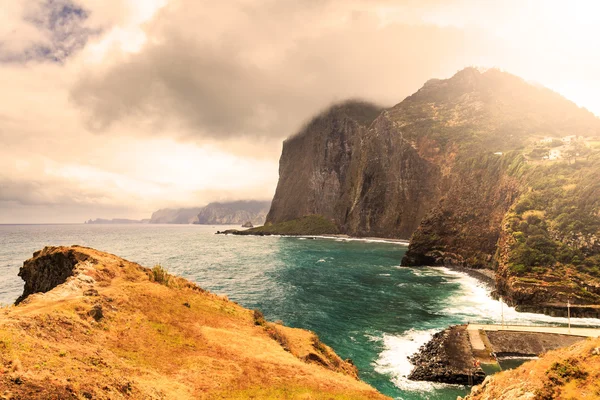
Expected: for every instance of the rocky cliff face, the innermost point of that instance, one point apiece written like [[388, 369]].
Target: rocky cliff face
[[237, 212], [48, 269], [464, 227], [383, 172], [357, 171], [444, 167]]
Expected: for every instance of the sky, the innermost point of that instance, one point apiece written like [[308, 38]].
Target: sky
[[116, 108]]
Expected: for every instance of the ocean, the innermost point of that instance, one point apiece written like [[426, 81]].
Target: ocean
[[352, 293]]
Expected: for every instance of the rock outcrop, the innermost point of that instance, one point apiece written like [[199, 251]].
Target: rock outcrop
[[447, 358], [93, 325], [47, 269]]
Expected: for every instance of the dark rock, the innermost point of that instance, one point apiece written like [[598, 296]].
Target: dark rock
[[357, 171], [446, 358], [48, 269], [90, 292], [96, 312]]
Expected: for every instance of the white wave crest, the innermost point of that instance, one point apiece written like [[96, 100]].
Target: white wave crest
[[475, 304], [393, 360]]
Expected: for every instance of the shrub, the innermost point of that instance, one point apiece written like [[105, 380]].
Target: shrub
[[160, 275], [519, 269], [565, 371], [259, 318]]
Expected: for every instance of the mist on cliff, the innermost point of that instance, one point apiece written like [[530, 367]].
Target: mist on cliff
[[114, 108]]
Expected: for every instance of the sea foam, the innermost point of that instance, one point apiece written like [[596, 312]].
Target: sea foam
[[393, 360], [472, 303]]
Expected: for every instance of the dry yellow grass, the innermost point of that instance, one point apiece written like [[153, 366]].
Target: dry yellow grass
[[572, 373], [169, 340]]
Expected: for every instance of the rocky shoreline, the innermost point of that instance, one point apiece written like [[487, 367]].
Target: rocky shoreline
[[447, 358], [456, 354]]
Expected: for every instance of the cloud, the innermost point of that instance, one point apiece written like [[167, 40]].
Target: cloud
[[259, 69], [114, 108], [49, 30]]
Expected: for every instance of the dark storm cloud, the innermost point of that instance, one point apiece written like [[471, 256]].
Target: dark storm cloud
[[62, 25], [270, 68]]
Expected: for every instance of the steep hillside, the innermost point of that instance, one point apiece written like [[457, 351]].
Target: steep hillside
[[549, 249], [236, 212], [92, 325], [446, 167]]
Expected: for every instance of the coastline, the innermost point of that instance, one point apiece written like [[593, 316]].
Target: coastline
[[333, 236], [485, 276], [348, 238]]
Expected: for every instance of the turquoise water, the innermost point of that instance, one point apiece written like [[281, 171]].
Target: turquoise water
[[353, 294]]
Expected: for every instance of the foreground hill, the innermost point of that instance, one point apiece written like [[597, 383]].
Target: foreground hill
[[106, 328], [459, 169], [571, 373]]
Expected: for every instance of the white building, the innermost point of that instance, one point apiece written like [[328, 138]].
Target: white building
[[569, 139], [555, 154], [546, 140]]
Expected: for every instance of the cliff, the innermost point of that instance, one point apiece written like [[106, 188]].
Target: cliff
[[234, 213], [353, 166], [92, 325], [175, 215], [446, 167], [102, 221], [226, 213]]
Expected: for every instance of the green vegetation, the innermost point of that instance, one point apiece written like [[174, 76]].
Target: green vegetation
[[160, 275], [558, 375], [557, 221], [563, 372], [308, 225], [492, 165]]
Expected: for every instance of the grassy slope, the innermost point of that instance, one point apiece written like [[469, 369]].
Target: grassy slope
[[571, 373], [169, 340]]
